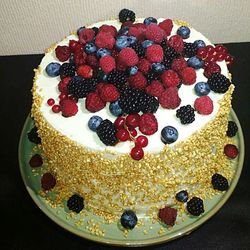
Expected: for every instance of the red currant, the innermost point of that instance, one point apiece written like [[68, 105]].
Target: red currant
[[119, 122], [133, 132], [202, 53], [51, 102], [133, 120], [141, 141], [137, 153], [212, 68], [122, 134], [62, 96], [221, 57], [229, 60], [220, 49], [210, 49], [56, 109], [212, 58]]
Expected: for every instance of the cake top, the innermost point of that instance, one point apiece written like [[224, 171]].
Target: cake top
[[148, 81]]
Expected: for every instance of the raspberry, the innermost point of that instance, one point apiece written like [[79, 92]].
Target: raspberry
[[155, 88], [154, 53], [108, 29], [170, 99], [138, 32], [74, 45], [86, 35], [127, 24], [154, 33], [138, 81], [75, 203], [170, 78], [148, 124], [94, 103], [48, 181], [36, 161], [188, 76], [176, 42], [92, 60], [79, 57], [107, 64], [204, 105], [62, 53], [144, 65], [104, 40], [85, 71], [167, 26], [68, 107], [128, 57], [179, 64], [211, 68], [109, 93], [231, 151], [168, 215], [62, 85], [219, 182]]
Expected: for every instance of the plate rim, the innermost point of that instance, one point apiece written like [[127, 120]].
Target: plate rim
[[147, 242]]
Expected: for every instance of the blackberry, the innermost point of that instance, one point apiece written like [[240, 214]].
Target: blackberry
[[95, 30], [152, 76], [218, 83], [106, 132], [232, 129], [164, 44], [140, 51], [126, 15], [195, 206], [170, 53], [219, 182], [182, 196], [75, 203], [190, 49], [33, 136], [148, 104], [118, 78], [67, 69], [186, 114], [79, 87], [129, 219]]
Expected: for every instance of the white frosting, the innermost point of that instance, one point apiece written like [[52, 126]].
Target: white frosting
[[76, 127]]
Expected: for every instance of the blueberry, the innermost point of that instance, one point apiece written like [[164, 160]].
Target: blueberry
[[195, 62], [90, 48], [133, 70], [94, 122], [104, 77], [115, 108], [184, 32], [158, 67], [169, 134], [80, 29], [199, 44], [182, 196], [147, 43], [201, 88], [132, 39], [129, 219], [103, 52], [149, 20], [52, 69], [122, 42], [123, 31]]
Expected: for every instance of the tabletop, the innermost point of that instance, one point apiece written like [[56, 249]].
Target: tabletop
[[24, 226]]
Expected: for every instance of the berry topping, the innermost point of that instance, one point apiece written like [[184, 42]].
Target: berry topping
[[189, 50], [107, 64], [133, 70], [108, 29], [179, 64], [154, 53], [50, 101], [128, 57], [86, 35], [211, 68], [176, 43], [231, 151], [199, 44], [67, 69], [219, 182], [36, 161], [75, 203], [218, 83], [129, 219], [94, 103], [167, 26], [133, 120], [138, 48], [126, 15], [148, 124], [186, 114], [109, 93], [94, 122], [104, 40], [188, 76], [170, 78], [141, 141], [48, 181], [56, 108], [90, 48], [195, 62], [122, 134], [122, 42], [170, 99], [154, 33], [62, 53], [118, 78], [183, 31], [168, 215], [33, 136], [115, 108], [155, 88], [195, 206], [119, 122], [232, 129], [169, 134], [201, 89], [204, 105], [52, 69], [68, 107], [63, 84], [138, 81], [106, 132], [103, 52], [137, 153], [149, 20], [85, 71], [182, 196]]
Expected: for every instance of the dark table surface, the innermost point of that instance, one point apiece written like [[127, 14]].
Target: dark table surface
[[23, 224]]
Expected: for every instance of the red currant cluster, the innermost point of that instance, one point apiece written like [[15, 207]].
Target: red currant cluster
[[126, 130]]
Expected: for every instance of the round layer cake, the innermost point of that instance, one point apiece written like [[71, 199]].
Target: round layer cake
[[162, 74]]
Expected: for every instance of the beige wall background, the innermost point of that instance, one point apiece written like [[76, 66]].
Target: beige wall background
[[30, 26]]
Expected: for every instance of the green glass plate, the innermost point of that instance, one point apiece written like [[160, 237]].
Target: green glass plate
[[90, 226]]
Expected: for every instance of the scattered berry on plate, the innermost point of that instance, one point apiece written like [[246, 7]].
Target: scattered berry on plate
[[36, 161], [75, 203], [168, 215], [129, 219], [48, 181], [195, 206], [33, 136], [232, 129], [219, 182], [182, 196], [231, 151]]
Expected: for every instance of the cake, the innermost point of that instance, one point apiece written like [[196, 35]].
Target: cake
[[132, 114]]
